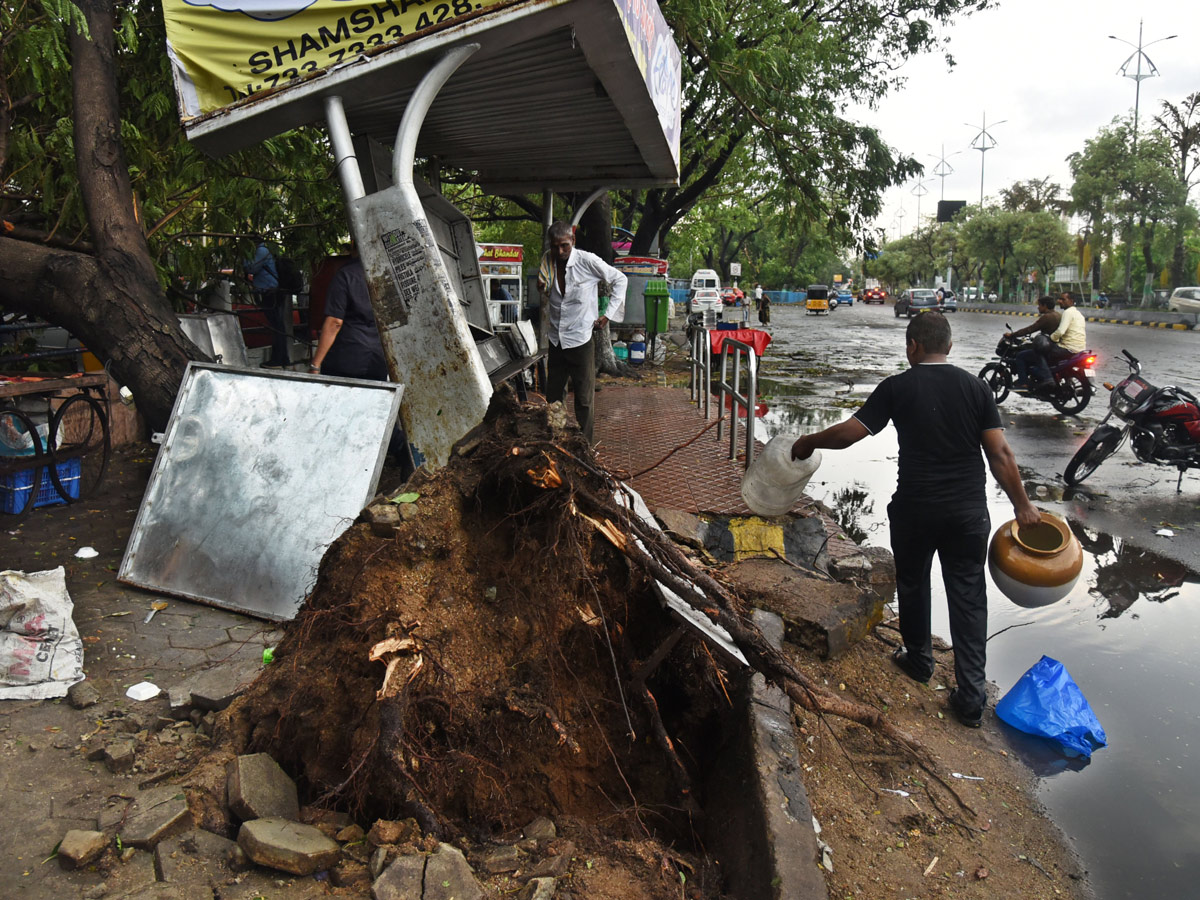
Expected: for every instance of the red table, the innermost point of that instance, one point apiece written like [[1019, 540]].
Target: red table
[[752, 336]]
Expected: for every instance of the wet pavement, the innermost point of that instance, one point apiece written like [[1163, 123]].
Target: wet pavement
[[1124, 632]]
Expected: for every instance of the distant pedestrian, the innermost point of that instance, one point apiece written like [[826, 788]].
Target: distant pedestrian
[[263, 276], [764, 307]]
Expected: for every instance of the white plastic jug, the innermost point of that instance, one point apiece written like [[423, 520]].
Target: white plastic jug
[[775, 481]]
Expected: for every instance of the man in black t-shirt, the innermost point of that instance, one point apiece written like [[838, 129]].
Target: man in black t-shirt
[[944, 417], [349, 345]]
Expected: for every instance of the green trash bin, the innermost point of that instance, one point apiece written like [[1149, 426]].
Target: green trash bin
[[658, 306]]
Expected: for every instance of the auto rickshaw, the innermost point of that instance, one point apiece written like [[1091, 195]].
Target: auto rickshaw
[[817, 299]]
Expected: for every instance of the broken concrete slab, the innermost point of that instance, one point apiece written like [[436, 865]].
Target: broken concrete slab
[[824, 616], [540, 829], [448, 876], [681, 525], [258, 788], [538, 889], [214, 689], [79, 848], [119, 755], [505, 858], [403, 879], [157, 813], [287, 846], [188, 858], [82, 694]]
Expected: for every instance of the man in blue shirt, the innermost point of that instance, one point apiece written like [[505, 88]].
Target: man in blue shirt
[[264, 279], [944, 417]]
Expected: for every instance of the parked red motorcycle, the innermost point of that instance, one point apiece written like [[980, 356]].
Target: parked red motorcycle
[[1162, 423]]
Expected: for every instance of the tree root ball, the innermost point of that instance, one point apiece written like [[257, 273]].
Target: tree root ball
[[472, 669]]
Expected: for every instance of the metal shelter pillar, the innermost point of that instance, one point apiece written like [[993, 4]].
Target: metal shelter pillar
[[427, 339]]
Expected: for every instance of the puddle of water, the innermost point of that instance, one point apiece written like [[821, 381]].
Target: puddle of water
[[1125, 633]]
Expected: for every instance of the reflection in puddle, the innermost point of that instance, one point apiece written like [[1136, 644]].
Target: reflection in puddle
[[1125, 574], [851, 506]]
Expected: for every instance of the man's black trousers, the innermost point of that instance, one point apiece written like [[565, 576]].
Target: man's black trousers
[[578, 364], [959, 535]]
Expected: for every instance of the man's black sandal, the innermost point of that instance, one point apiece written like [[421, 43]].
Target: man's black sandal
[[970, 719], [905, 665]]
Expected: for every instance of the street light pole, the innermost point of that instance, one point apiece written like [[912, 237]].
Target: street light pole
[[920, 191], [943, 168], [983, 142], [1137, 77]]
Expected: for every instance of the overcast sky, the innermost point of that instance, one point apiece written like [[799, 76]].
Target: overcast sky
[[1049, 70]]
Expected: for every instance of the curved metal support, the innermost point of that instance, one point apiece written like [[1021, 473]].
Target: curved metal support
[[345, 159], [592, 198], [418, 106]]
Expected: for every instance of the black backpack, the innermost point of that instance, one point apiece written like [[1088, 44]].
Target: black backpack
[[291, 280]]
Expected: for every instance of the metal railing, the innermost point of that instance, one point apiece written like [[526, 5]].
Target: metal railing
[[701, 368], [737, 351]]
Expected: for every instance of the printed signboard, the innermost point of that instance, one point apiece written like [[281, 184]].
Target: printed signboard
[[658, 59], [501, 253], [224, 50]]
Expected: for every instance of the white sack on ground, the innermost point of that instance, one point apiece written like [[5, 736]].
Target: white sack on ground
[[41, 654]]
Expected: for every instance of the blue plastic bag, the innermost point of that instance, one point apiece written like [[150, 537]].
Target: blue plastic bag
[[1046, 702]]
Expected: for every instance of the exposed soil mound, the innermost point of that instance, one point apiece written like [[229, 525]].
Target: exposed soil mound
[[471, 664]]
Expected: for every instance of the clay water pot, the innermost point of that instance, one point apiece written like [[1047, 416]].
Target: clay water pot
[[1035, 565]]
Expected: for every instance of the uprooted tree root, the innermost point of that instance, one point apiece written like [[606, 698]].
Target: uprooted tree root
[[500, 654]]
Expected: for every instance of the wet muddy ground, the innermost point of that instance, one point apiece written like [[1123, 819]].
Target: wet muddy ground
[[1124, 632]]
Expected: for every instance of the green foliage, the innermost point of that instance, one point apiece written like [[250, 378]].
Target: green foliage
[[196, 211]]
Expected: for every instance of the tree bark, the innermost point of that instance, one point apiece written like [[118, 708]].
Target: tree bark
[[111, 301]]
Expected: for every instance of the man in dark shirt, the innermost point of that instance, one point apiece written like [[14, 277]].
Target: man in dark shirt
[[943, 416], [349, 345], [1047, 322]]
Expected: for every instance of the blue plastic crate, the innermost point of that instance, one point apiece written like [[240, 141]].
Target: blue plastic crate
[[15, 487]]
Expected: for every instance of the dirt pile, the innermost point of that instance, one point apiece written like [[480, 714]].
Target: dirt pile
[[471, 658]]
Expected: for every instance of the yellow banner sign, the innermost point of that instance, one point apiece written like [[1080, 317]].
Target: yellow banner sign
[[224, 50]]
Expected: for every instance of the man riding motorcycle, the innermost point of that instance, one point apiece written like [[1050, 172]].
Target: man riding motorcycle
[[1069, 338], [1047, 322]]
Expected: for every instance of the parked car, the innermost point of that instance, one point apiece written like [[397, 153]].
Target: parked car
[[704, 299], [1184, 300], [874, 295], [732, 296], [915, 300]]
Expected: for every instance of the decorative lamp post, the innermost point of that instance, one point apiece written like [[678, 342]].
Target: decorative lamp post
[[983, 142], [1138, 76]]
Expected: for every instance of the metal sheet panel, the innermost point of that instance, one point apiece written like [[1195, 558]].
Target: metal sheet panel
[[217, 334], [259, 472]]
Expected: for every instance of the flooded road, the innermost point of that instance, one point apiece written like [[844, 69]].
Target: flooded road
[[1125, 632]]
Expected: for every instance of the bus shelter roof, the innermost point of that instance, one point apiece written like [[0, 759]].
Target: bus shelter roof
[[565, 95]]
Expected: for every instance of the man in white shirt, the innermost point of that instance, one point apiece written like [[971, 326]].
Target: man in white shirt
[[1068, 339], [573, 316]]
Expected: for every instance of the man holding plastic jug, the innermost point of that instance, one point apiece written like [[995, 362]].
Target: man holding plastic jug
[[944, 417], [572, 297]]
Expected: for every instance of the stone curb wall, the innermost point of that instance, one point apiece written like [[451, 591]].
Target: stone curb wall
[[1147, 318]]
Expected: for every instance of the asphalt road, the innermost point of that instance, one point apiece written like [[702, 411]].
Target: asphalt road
[[821, 365]]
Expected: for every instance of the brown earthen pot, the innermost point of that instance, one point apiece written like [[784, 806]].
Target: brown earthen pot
[[1035, 565]]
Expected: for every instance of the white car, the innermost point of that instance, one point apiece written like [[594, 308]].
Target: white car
[[1184, 300], [704, 299]]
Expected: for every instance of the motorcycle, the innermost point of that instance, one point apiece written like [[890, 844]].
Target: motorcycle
[[1162, 423], [1070, 388]]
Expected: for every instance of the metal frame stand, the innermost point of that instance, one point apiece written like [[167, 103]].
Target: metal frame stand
[[738, 350]]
